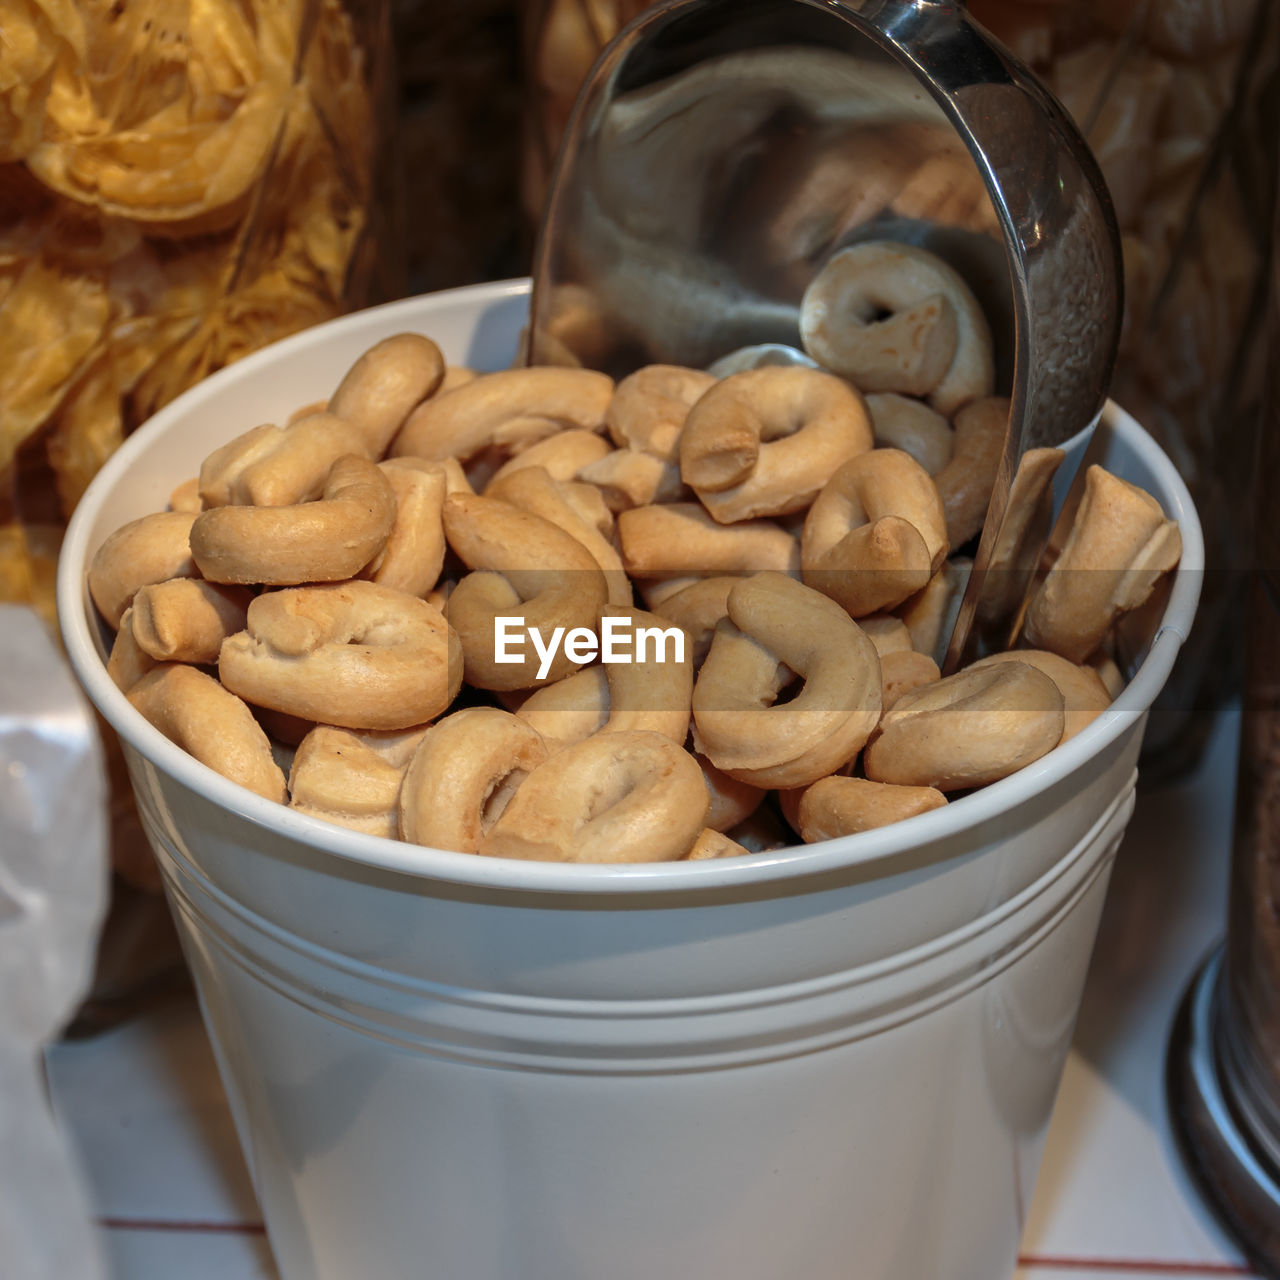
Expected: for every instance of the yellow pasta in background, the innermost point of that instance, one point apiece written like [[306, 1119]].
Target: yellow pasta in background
[[180, 184]]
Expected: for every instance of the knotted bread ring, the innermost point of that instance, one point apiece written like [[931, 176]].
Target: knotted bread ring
[[910, 425], [974, 727], [679, 539], [935, 341], [617, 797], [875, 534], [888, 633], [764, 441], [653, 691], [352, 779], [127, 662], [930, 614], [277, 466], [570, 709], [186, 619], [186, 497], [413, 555], [505, 410], [462, 776], [385, 385], [732, 801], [650, 691], [836, 806], [533, 489], [698, 609], [326, 540], [1021, 545], [1084, 695], [150, 549], [353, 654], [902, 671], [649, 408], [714, 844], [1119, 546], [776, 624], [526, 568], [628, 478], [562, 456], [210, 723]]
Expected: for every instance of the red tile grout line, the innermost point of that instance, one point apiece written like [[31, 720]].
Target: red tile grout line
[[1135, 1266]]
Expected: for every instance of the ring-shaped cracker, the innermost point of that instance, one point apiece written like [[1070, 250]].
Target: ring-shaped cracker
[[562, 456], [901, 422], [210, 723], [765, 441], [875, 534], [934, 342], [127, 662], [506, 411], [779, 625], [966, 482], [1119, 547], [570, 709], [462, 776], [836, 806], [525, 568], [714, 844], [732, 801], [652, 690], [352, 779], [616, 797], [385, 385], [534, 490], [904, 670], [972, 728], [413, 555], [628, 478], [353, 654], [680, 539], [930, 614], [1084, 695], [277, 466], [649, 408], [186, 619], [150, 549], [327, 540], [698, 608]]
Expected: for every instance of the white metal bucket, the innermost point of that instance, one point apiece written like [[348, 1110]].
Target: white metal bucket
[[834, 1061]]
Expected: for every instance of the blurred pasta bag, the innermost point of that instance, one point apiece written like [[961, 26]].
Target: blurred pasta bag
[[52, 893], [181, 183]]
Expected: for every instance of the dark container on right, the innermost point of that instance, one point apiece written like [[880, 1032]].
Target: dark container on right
[[1224, 1058]]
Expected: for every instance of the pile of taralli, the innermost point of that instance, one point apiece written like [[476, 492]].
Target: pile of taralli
[[328, 597]]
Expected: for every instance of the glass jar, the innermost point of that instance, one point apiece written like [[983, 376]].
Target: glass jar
[[1224, 1053]]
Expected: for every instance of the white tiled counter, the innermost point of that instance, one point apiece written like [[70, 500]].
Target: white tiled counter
[[147, 1115]]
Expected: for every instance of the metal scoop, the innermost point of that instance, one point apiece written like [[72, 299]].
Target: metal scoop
[[722, 150]]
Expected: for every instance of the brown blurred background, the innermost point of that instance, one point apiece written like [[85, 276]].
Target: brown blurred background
[[461, 115]]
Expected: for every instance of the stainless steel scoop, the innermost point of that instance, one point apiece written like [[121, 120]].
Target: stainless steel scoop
[[721, 150]]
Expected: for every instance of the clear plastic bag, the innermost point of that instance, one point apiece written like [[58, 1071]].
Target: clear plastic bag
[[52, 891]]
